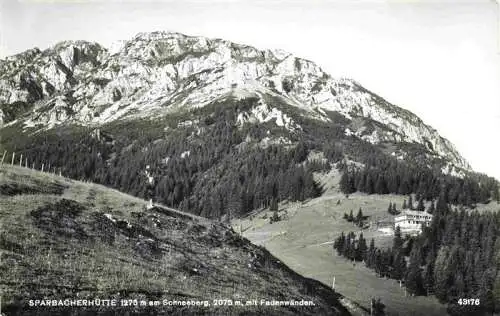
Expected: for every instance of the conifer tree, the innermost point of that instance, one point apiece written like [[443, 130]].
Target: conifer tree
[[370, 255], [377, 307], [351, 217], [410, 202], [428, 277], [420, 205], [274, 218], [274, 205], [399, 266], [359, 217], [432, 208], [348, 250], [346, 183], [369, 185], [496, 194], [441, 274], [378, 262], [458, 287], [380, 185], [414, 282], [485, 292], [339, 244], [397, 243], [362, 248], [442, 202]]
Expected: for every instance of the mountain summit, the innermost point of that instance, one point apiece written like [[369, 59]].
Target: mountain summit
[[157, 73]]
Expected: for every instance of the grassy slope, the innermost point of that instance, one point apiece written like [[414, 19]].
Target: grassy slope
[[56, 242], [303, 242]]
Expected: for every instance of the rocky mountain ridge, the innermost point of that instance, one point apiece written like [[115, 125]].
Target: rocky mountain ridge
[[162, 72]]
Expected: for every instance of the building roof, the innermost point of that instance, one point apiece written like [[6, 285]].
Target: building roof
[[413, 213]]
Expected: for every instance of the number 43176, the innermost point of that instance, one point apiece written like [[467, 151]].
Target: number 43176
[[469, 301]]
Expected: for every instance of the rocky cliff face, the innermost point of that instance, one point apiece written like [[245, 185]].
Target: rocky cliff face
[[157, 73]]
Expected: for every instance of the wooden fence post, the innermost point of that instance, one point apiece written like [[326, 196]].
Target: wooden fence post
[[13, 155], [26, 163], [21, 161]]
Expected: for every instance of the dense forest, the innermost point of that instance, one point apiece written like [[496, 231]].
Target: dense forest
[[204, 162], [391, 176], [455, 258], [209, 169]]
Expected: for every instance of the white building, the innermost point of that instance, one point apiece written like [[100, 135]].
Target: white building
[[412, 221]]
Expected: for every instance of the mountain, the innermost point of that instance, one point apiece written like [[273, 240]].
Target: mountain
[[66, 240], [225, 127], [155, 73]]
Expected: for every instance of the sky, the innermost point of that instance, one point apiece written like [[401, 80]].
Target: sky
[[438, 59]]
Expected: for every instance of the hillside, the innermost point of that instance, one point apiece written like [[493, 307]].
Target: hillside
[[304, 236], [61, 238], [304, 240]]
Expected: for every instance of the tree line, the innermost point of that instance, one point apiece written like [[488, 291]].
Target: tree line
[[358, 220], [401, 178], [455, 257]]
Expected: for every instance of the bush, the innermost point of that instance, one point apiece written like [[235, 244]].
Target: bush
[[274, 218], [287, 85]]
